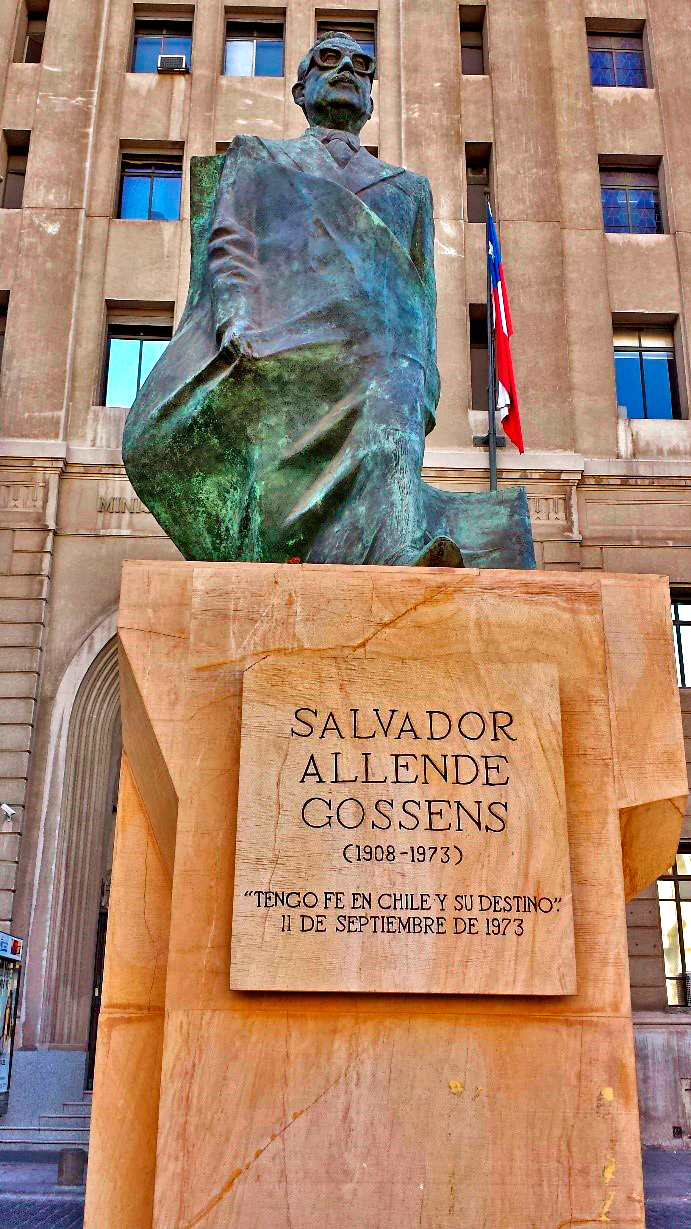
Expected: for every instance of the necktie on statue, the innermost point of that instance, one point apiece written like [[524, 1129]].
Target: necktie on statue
[[341, 146]]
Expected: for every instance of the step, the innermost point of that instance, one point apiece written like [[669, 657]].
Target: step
[[77, 1107], [49, 1139], [64, 1122]]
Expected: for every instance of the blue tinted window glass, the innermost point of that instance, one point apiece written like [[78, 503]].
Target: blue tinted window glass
[[658, 391], [165, 199], [147, 48], [630, 68], [239, 57], [614, 211], [134, 199], [601, 68], [644, 205], [178, 45], [123, 363], [368, 47], [151, 353], [627, 368], [269, 59]]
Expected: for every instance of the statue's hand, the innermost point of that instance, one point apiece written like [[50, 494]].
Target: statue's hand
[[231, 347]]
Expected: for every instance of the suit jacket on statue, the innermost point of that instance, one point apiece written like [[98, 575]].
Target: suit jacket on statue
[[287, 416]]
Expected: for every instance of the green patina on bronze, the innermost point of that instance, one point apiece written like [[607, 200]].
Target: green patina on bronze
[[287, 416]]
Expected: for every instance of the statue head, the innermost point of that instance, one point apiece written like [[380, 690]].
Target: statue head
[[334, 85]]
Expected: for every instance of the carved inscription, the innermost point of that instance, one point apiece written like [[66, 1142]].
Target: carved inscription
[[115, 505], [548, 508], [401, 827], [21, 497]]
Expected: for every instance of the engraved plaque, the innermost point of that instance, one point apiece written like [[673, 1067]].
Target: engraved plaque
[[401, 828]]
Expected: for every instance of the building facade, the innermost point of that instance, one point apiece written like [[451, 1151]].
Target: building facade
[[575, 114]]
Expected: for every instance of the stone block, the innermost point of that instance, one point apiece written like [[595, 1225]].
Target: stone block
[[13, 791], [15, 737], [561, 552], [9, 841], [18, 710], [19, 660], [18, 686], [359, 1109], [6, 901], [23, 586], [22, 610], [31, 563], [5, 550], [20, 635], [33, 540], [8, 876], [591, 557], [14, 763]]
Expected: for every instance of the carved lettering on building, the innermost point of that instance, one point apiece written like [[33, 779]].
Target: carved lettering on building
[[116, 505], [21, 497], [546, 508]]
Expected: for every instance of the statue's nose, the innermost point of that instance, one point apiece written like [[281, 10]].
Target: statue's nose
[[346, 62]]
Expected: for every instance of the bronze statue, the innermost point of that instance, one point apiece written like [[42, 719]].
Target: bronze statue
[[286, 419]]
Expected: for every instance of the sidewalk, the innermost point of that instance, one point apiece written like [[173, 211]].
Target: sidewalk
[[29, 1200], [667, 1177]]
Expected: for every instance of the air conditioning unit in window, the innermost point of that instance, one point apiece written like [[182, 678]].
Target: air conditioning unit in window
[[172, 64]]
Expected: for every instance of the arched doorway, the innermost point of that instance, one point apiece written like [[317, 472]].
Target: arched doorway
[[83, 858]]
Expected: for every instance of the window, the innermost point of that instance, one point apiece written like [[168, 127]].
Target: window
[[363, 30], [674, 895], [33, 44], [617, 59], [477, 181], [15, 170], [155, 38], [3, 322], [253, 49], [479, 369], [472, 41], [31, 31], [631, 202], [646, 373], [681, 624], [131, 351], [150, 187]]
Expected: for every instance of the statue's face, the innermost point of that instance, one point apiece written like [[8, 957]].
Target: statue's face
[[336, 91]]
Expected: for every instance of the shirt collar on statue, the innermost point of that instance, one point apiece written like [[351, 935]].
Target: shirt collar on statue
[[328, 134]]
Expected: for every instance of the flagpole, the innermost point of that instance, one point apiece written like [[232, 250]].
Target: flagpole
[[491, 377]]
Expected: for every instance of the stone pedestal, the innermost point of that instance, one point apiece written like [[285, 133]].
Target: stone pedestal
[[278, 1108]]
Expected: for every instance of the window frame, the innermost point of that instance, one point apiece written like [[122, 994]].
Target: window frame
[[148, 162], [120, 328], [621, 346], [477, 157], [679, 599], [477, 337], [254, 24], [472, 19], [3, 329], [632, 172], [609, 38], [165, 23], [34, 34], [16, 149], [674, 876]]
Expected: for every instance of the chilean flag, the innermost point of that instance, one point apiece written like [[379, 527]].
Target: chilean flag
[[507, 397]]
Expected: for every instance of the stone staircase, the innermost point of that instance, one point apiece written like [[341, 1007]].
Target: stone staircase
[[52, 1132]]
